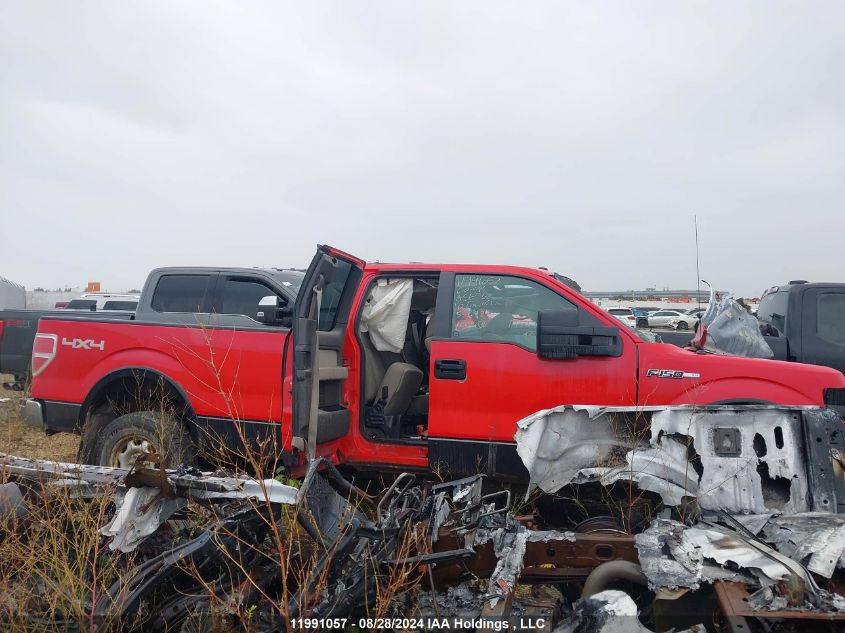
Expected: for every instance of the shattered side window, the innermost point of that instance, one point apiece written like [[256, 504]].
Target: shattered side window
[[830, 318], [499, 308]]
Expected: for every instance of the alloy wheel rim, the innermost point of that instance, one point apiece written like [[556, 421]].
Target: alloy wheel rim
[[127, 451]]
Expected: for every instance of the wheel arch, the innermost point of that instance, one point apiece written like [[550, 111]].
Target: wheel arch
[[128, 390], [129, 377], [735, 390], [741, 402]]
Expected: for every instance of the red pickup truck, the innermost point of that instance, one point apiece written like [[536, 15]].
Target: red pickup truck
[[375, 366]]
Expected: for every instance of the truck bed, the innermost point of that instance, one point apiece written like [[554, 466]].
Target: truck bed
[[18, 333]]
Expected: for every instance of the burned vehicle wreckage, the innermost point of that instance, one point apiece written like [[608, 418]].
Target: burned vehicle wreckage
[[723, 518]]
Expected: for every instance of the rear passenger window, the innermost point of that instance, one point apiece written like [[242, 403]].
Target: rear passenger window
[[830, 318], [120, 305], [181, 293], [497, 308], [242, 296], [81, 304]]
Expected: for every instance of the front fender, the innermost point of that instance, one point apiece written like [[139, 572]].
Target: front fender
[[745, 389], [671, 375]]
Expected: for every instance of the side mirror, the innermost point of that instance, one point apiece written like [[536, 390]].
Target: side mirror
[[766, 329], [561, 336], [271, 313]]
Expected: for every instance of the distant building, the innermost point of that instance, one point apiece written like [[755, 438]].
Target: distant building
[[651, 294], [12, 295], [41, 299]]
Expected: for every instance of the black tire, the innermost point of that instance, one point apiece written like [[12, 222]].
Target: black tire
[[642, 323], [120, 441], [683, 326]]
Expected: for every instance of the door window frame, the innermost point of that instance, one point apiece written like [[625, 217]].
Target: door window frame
[[355, 323], [207, 299], [448, 334], [817, 300], [220, 289]]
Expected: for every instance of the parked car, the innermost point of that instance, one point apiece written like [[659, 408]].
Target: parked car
[[672, 318], [103, 301], [349, 372], [626, 315], [641, 315]]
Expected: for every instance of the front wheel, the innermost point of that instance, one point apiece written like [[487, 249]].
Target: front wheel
[[642, 323], [124, 439], [683, 326]]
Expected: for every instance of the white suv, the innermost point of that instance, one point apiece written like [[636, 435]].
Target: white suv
[[626, 315], [104, 301], [674, 319]]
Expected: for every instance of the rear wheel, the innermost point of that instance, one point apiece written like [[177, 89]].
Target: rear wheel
[[124, 439], [642, 323]]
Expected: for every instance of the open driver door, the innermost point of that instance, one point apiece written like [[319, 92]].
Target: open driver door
[[321, 314]]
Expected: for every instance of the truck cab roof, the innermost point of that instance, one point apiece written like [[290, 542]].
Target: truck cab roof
[[289, 278], [285, 273]]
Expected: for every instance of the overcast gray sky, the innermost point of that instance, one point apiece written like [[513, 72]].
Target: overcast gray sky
[[578, 136]]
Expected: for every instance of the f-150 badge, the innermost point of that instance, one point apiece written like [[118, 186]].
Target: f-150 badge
[[670, 373], [89, 343]]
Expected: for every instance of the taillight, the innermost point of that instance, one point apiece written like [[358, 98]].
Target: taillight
[[1, 331], [43, 351]]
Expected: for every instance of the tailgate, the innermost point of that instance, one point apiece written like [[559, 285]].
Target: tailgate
[[18, 332]]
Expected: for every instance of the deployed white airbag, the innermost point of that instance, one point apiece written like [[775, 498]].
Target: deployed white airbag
[[386, 313]]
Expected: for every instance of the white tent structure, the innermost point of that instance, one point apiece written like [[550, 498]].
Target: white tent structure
[[12, 295]]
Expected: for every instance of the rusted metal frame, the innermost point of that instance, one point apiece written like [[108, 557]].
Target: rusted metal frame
[[545, 561], [733, 596], [501, 609]]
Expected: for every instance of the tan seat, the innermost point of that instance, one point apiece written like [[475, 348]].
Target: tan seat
[[419, 404], [429, 334], [400, 380]]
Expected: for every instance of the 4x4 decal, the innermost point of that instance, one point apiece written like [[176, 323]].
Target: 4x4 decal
[[89, 343]]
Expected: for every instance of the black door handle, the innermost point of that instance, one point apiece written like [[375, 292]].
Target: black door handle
[[450, 369]]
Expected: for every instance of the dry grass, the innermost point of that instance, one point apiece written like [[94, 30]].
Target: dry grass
[[18, 439], [56, 562]]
